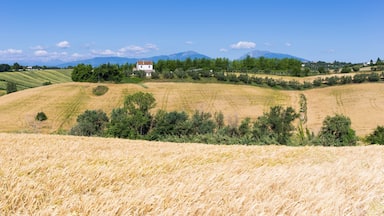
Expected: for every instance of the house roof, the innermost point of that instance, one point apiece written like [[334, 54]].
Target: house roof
[[143, 62]]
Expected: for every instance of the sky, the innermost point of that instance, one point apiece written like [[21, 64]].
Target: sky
[[69, 30]]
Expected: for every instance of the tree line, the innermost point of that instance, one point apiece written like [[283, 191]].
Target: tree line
[[135, 121]]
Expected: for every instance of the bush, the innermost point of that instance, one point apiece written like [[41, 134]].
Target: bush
[[100, 90], [11, 87], [337, 131], [41, 116], [90, 123], [275, 127], [47, 83], [377, 137]]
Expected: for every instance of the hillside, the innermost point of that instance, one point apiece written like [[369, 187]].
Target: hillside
[[66, 175], [35, 78], [363, 103]]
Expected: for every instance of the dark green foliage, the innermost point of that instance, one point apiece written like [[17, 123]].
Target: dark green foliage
[[5, 67], [373, 77], [359, 78], [170, 124], [41, 116], [47, 83], [275, 127], [100, 90], [83, 73], [356, 68], [337, 131], [11, 87], [181, 74], [90, 123], [377, 136], [108, 72], [134, 119], [345, 69], [168, 75], [202, 123], [155, 75]]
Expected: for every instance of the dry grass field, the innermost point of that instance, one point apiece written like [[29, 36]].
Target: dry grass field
[[363, 103], [65, 175]]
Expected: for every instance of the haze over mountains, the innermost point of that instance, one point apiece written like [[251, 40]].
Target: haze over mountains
[[176, 56]]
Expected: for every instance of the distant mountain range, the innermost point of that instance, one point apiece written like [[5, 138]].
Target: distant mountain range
[[177, 56], [267, 54], [121, 60]]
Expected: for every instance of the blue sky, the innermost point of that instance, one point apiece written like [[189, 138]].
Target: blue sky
[[325, 30]]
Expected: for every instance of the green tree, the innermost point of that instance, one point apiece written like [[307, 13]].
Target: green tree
[[134, 119], [90, 123], [41, 116], [337, 131], [170, 124], [11, 87], [83, 73], [16, 66], [377, 136], [275, 127], [4, 67], [202, 123]]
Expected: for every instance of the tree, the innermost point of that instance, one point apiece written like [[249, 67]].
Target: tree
[[337, 131], [90, 123], [4, 67], [16, 66], [83, 73], [275, 126], [134, 119], [377, 136], [170, 124], [41, 116], [11, 87]]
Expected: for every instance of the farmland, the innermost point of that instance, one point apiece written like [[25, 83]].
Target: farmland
[[35, 78], [62, 103], [65, 175]]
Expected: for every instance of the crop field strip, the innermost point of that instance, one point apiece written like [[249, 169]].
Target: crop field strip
[[66, 175], [363, 103]]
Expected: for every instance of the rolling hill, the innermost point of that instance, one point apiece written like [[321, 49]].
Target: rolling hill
[[35, 78], [363, 103]]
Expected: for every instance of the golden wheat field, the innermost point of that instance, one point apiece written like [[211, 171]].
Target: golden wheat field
[[62, 103], [66, 175]]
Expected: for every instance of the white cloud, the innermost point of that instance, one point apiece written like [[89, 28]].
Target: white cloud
[[38, 47], [104, 52], [11, 51], [63, 44], [243, 45], [188, 42], [41, 53], [151, 46], [223, 50], [288, 44]]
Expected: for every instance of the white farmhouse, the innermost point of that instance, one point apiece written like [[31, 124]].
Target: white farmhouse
[[146, 66]]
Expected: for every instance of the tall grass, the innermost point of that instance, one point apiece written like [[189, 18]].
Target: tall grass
[[63, 175]]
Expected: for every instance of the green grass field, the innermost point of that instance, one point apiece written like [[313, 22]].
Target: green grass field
[[31, 79]]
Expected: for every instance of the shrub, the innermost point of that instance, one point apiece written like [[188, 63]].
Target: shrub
[[100, 90], [275, 127], [41, 116], [377, 137], [337, 131], [11, 87], [90, 123], [47, 83]]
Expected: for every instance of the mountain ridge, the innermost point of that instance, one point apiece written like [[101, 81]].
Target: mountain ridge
[[123, 60]]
